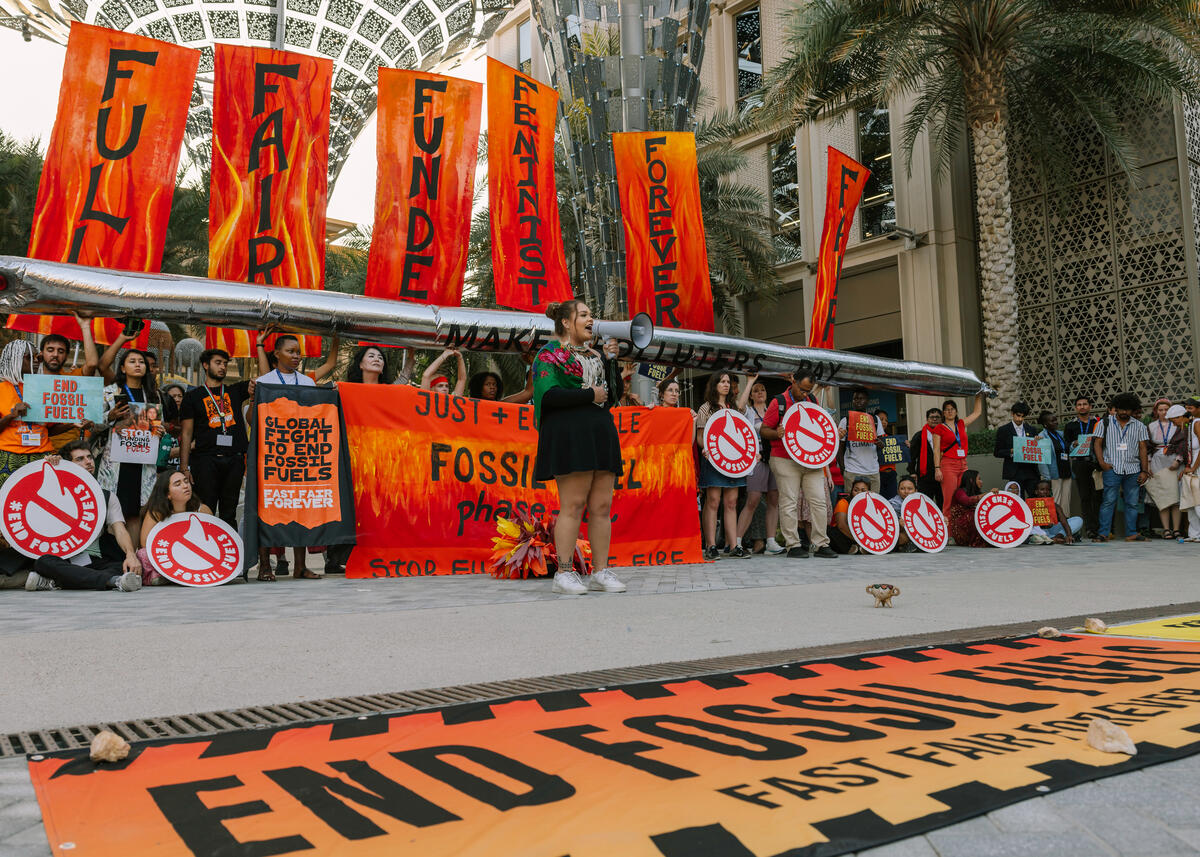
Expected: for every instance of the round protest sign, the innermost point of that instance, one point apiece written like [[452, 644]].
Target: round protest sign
[[195, 550], [924, 523], [51, 511], [730, 443], [810, 435], [873, 522], [1003, 519]]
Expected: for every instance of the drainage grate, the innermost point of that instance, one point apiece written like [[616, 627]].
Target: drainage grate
[[263, 716]]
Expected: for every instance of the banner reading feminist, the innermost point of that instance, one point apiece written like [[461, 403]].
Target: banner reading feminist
[[843, 189], [432, 473], [266, 218], [527, 250], [105, 193], [666, 259], [428, 140]]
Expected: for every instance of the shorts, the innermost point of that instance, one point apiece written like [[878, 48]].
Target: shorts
[[761, 479]]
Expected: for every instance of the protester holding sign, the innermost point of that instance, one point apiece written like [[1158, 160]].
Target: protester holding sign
[[130, 461], [1120, 447], [96, 567], [1056, 531], [52, 355], [761, 481], [670, 393], [1024, 474], [1055, 466], [578, 446], [1083, 466], [282, 365], [1166, 460], [720, 491], [20, 442], [171, 495], [954, 446], [860, 458]]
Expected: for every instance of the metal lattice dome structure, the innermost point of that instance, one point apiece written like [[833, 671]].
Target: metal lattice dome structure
[[358, 36]]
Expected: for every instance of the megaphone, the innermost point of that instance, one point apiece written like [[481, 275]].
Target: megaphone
[[639, 330]]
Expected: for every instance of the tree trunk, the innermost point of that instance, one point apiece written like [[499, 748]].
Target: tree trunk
[[997, 267]]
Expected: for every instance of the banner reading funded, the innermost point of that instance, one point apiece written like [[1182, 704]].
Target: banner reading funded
[[270, 176], [844, 187], [527, 249], [427, 143], [666, 260], [432, 473], [109, 176]]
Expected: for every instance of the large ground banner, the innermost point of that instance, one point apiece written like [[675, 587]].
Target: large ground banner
[[1174, 628], [432, 472], [805, 760]]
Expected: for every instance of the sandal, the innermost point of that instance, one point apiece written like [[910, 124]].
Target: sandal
[[1135, 538], [307, 574], [266, 576], [1168, 534]]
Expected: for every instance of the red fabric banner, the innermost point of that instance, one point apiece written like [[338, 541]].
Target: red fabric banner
[[428, 143], [527, 249], [843, 189], [109, 176], [432, 472], [270, 176], [666, 260]]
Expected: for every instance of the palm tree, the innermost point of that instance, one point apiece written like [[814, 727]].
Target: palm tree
[[1060, 67], [20, 172]]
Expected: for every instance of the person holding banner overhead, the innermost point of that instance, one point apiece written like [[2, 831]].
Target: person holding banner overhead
[[954, 446], [20, 442], [574, 389], [432, 380]]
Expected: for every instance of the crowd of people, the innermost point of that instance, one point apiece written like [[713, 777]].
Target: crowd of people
[[781, 507]]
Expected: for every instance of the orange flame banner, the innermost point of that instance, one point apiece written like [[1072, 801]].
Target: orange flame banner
[[527, 249], [270, 176], [428, 143], [105, 193], [666, 260], [843, 189], [432, 473]]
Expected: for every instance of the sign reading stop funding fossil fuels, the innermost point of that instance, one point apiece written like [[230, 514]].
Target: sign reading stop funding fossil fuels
[[63, 399]]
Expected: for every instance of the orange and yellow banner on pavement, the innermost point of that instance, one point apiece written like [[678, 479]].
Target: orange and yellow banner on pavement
[[109, 175], [816, 758], [427, 143], [666, 260], [266, 220], [528, 264], [843, 189], [1173, 628], [431, 474]]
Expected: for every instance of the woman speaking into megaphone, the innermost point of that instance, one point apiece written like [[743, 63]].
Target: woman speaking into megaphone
[[574, 389]]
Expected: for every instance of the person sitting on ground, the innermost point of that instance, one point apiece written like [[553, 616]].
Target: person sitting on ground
[[961, 520], [172, 495], [1057, 533], [840, 536], [905, 488], [432, 380], [91, 569]]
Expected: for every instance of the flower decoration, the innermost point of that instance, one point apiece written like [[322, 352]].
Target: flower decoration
[[524, 548]]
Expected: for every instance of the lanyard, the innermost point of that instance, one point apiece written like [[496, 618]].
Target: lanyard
[[1166, 432], [957, 436], [1121, 432], [219, 405], [1062, 444], [129, 393], [281, 381]]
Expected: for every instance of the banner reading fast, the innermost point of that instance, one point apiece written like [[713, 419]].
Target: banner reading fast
[[527, 249], [817, 758], [427, 142], [109, 175], [270, 176], [666, 259], [843, 189], [431, 474]]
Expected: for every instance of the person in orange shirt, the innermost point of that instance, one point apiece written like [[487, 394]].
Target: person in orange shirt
[[20, 442]]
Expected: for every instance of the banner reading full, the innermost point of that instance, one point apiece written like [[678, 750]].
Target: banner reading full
[[843, 189], [266, 218], [666, 260], [527, 250], [427, 144], [106, 187], [431, 474]]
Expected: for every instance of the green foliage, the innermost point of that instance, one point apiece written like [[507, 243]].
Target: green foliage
[[981, 442], [20, 172]]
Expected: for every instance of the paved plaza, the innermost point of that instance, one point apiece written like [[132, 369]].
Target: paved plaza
[[84, 657]]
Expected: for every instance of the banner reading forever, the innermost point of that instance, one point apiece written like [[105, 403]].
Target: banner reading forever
[[807, 759], [527, 250], [432, 472], [109, 176], [266, 218], [844, 185], [666, 260], [296, 470], [427, 142]]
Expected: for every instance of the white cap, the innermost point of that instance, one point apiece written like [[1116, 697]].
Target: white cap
[[1176, 411]]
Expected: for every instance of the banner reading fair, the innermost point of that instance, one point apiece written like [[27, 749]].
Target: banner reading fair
[[843, 189], [266, 214], [109, 175], [427, 143], [666, 260], [527, 249], [431, 474]]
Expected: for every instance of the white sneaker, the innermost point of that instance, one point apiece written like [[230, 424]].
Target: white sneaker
[[36, 583], [568, 583], [774, 548], [130, 581], [605, 581]]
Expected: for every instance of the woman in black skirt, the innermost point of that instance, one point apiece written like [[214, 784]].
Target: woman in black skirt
[[574, 388]]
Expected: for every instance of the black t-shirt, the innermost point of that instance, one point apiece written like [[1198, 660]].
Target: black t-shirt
[[215, 411]]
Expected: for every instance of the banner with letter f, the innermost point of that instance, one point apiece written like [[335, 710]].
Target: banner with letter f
[[843, 189]]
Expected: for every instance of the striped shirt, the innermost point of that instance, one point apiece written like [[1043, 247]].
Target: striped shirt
[[1121, 444]]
